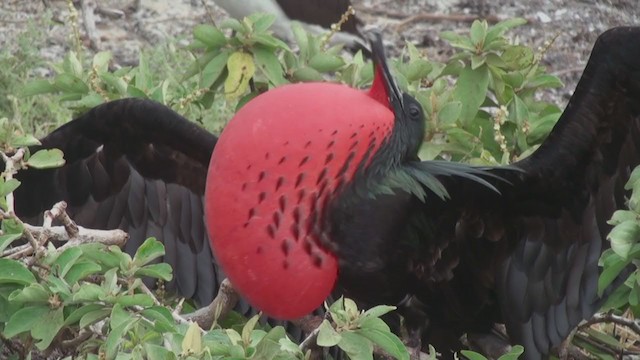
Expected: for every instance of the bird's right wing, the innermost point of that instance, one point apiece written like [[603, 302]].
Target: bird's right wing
[[138, 166], [527, 255]]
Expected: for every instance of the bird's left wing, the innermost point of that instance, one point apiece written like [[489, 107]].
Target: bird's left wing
[[136, 165]]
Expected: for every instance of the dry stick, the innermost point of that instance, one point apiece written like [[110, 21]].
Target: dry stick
[[224, 302], [11, 166], [88, 15], [492, 19], [611, 318]]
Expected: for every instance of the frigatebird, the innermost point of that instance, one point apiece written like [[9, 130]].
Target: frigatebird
[[318, 187], [317, 16]]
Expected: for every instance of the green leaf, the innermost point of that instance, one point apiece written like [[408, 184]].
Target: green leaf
[[157, 271], [209, 35], [116, 83], [623, 236], [71, 64], [262, 21], [14, 272], [156, 352], [417, 70], [66, 260], [472, 355], [450, 113], [134, 91], [247, 329], [32, 294], [150, 250], [513, 354], [24, 140], [24, 320], [8, 186], [192, 342], [101, 61], [37, 87], [117, 336], [134, 300], [471, 90], [241, 69], [47, 328], [46, 159], [327, 335], [620, 216], [7, 239], [161, 317], [546, 81], [378, 311], [633, 178], [518, 57], [302, 39], [90, 101], [387, 341], [268, 63], [518, 111], [88, 292], [119, 316], [325, 62], [77, 314], [306, 74], [369, 322], [93, 316], [356, 346], [70, 84], [81, 270], [214, 69], [478, 32], [457, 40]]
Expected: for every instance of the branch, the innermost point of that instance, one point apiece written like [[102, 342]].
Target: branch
[[611, 318], [88, 15], [11, 167], [224, 302]]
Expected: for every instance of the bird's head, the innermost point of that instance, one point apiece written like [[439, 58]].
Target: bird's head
[[278, 165]]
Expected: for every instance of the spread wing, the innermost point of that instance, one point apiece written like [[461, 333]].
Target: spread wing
[[528, 256], [136, 165]]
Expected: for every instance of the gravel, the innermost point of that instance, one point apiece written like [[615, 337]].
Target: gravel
[[126, 26]]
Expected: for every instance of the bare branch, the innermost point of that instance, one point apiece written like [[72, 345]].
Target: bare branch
[[88, 15], [11, 167], [614, 319], [224, 302]]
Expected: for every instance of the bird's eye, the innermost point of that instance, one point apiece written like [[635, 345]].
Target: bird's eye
[[414, 112]]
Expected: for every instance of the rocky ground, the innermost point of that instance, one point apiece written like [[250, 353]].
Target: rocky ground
[[126, 26]]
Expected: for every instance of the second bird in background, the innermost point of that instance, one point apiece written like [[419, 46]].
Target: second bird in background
[[317, 16]]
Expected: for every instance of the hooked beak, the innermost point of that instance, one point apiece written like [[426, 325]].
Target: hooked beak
[[384, 87]]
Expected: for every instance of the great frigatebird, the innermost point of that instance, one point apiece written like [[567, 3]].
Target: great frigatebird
[[316, 183]]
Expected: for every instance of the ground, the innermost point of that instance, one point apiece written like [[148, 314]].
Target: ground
[[126, 26]]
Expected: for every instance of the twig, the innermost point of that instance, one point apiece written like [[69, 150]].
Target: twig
[[88, 15], [109, 12], [207, 9], [73, 343], [176, 317], [611, 318], [11, 167], [492, 19], [310, 340], [224, 302]]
